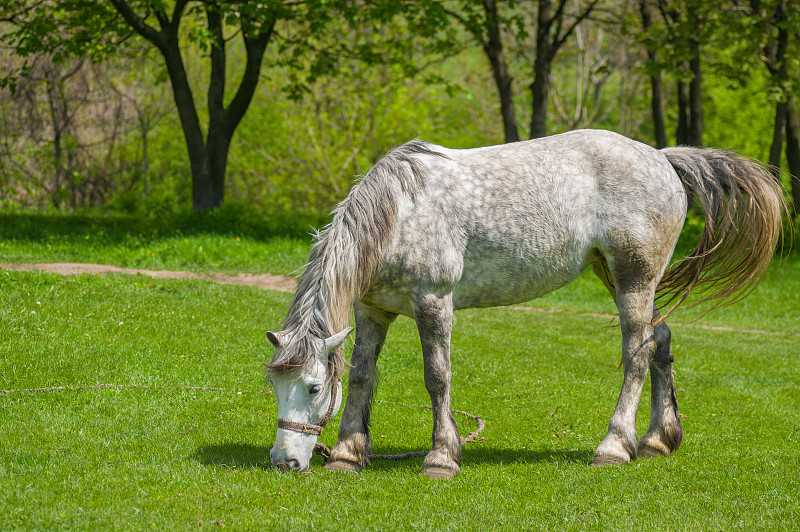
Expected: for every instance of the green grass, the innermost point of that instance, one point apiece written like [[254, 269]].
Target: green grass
[[168, 458]]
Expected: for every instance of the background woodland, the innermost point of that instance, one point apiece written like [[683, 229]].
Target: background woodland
[[153, 107]]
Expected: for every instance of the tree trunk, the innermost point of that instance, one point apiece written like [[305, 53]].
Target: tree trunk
[[550, 36], [686, 26], [777, 139], [60, 116], [493, 48], [540, 86], [208, 158], [657, 108], [695, 97], [202, 197], [774, 57], [58, 164], [690, 107], [793, 149], [218, 148], [144, 132], [656, 85], [682, 133]]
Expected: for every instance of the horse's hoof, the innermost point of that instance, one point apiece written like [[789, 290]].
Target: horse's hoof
[[604, 460], [439, 472], [649, 451], [343, 465]]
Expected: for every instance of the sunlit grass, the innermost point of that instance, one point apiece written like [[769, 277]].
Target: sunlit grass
[[154, 452], [169, 458]]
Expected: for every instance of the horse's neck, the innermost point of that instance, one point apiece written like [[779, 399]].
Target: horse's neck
[[307, 312], [345, 257]]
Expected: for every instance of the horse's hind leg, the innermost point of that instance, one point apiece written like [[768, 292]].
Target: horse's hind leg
[[434, 317], [664, 433], [351, 452], [638, 347]]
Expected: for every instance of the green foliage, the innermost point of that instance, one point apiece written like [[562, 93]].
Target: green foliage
[[38, 28], [343, 82], [317, 148], [308, 47], [736, 116]]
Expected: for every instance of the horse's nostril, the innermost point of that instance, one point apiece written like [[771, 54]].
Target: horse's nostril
[[288, 465]]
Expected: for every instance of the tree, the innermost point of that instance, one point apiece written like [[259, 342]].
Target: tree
[[62, 131], [774, 58], [61, 117], [684, 20], [591, 63], [208, 156], [487, 29], [147, 107], [695, 134], [45, 109], [772, 21], [96, 29], [554, 24], [551, 34]]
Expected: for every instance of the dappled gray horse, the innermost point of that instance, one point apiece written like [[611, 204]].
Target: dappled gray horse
[[430, 230]]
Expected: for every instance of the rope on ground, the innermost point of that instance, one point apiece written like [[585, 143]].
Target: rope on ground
[[325, 452]]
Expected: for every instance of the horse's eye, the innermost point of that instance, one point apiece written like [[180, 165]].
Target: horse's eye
[[314, 389]]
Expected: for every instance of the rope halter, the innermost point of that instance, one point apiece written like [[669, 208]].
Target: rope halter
[[315, 429]]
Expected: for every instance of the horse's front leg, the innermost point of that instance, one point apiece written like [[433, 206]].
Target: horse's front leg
[[351, 452], [434, 316]]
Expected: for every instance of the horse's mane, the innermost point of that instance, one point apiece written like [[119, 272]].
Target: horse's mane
[[347, 255]]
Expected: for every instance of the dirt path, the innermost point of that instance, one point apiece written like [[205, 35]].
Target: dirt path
[[281, 283], [263, 280]]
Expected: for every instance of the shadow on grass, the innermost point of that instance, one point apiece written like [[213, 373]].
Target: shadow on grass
[[491, 455], [235, 455], [247, 456], [114, 228], [474, 455]]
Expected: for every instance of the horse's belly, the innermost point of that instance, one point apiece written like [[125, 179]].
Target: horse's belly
[[490, 267], [499, 282], [489, 283]]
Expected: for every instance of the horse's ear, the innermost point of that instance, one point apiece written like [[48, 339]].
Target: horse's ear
[[274, 339], [337, 339]]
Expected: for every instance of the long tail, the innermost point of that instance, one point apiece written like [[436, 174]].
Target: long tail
[[744, 208]]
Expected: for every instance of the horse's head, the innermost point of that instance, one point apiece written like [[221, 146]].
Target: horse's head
[[308, 394]]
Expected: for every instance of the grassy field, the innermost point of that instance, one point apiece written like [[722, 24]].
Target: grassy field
[[156, 453]]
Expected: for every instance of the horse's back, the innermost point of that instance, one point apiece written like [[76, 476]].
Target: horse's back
[[504, 224]]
